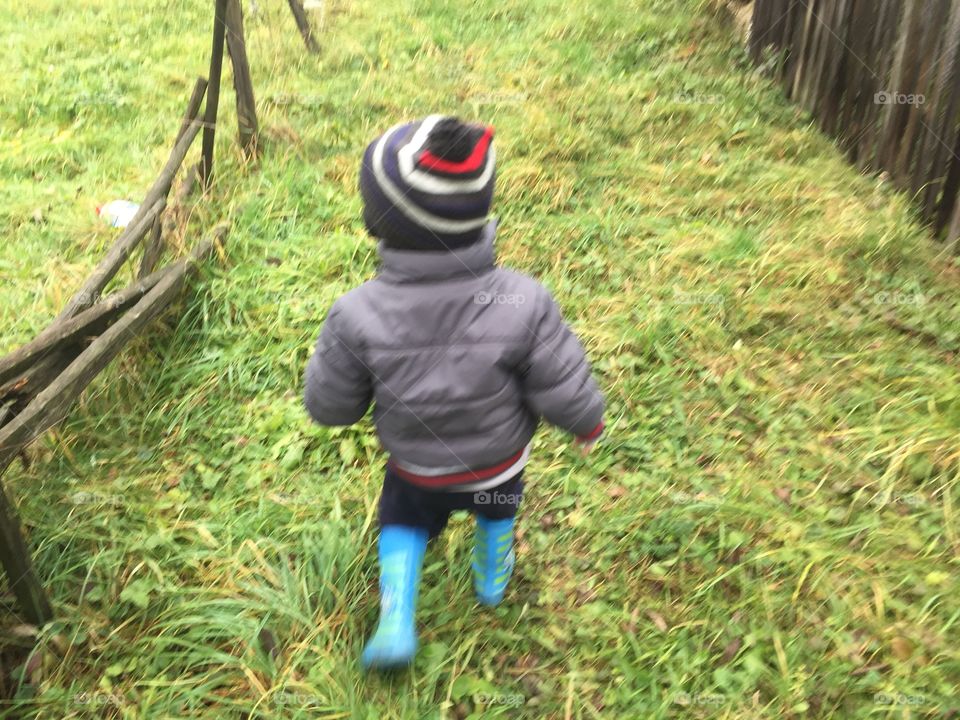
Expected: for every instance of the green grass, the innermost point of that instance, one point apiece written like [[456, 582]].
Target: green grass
[[769, 529]]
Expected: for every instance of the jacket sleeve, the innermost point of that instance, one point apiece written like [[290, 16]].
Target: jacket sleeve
[[556, 379], [338, 385]]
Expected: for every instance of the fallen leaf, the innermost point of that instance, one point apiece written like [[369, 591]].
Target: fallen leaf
[[901, 647], [617, 491], [268, 642], [731, 650], [657, 619]]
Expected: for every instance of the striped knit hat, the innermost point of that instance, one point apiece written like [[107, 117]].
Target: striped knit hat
[[428, 184]]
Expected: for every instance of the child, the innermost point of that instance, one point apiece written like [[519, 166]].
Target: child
[[460, 357]]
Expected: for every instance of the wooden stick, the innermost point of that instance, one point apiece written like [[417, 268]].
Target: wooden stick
[[111, 262], [300, 15], [193, 106], [19, 567], [91, 321], [53, 403], [153, 248], [18, 393], [213, 93], [153, 203], [242, 84]]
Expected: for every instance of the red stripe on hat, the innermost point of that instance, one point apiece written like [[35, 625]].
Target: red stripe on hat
[[431, 162]]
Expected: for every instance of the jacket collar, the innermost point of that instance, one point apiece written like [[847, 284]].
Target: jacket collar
[[400, 266]]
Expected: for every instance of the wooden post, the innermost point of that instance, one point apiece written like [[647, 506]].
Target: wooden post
[[300, 15], [19, 568], [242, 84], [213, 92]]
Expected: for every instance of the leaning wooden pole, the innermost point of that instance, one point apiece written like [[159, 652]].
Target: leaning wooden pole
[[213, 92], [18, 566], [300, 15], [242, 84]]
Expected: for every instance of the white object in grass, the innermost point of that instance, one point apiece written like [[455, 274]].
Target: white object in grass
[[118, 213]]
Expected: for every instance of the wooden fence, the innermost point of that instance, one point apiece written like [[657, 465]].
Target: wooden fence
[[883, 76], [40, 381]]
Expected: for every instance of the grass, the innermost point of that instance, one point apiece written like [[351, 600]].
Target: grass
[[769, 529]]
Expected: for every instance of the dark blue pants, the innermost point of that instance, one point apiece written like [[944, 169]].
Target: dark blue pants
[[402, 503]]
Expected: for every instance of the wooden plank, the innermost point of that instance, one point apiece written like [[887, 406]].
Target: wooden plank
[[831, 86], [879, 68], [213, 93], [803, 56], [18, 566], [852, 109], [303, 24], [242, 84], [799, 12], [818, 39], [786, 42], [52, 404], [933, 19], [943, 122], [894, 117], [759, 26], [91, 321]]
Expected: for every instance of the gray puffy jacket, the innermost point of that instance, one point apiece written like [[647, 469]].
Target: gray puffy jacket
[[461, 359]]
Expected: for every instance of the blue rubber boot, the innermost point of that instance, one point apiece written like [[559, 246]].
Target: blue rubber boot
[[394, 642], [492, 559]]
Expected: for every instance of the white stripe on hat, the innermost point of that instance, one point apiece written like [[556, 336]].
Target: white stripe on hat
[[415, 213], [431, 183]]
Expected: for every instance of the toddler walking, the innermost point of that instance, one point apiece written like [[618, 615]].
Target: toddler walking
[[461, 359]]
